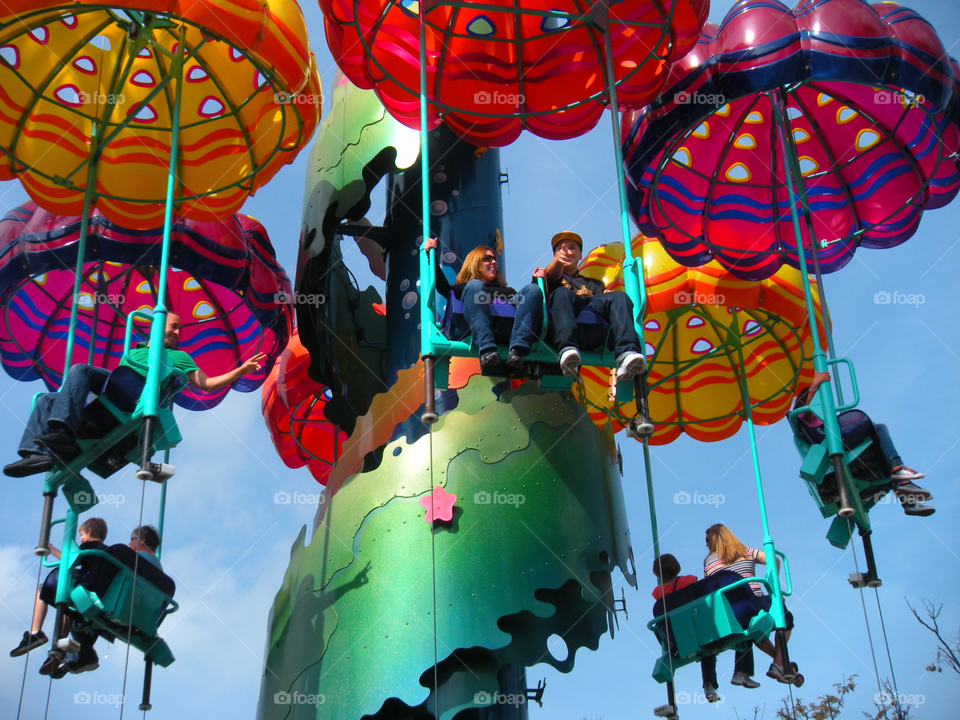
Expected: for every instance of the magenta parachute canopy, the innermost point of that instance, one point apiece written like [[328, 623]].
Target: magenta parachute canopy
[[870, 110], [225, 284]]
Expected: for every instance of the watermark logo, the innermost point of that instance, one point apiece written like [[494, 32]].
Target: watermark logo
[[86, 299], [904, 98], [698, 498], [99, 98], [904, 500], [497, 698], [482, 97], [485, 498], [900, 699], [299, 498], [96, 698], [698, 98], [682, 297], [697, 698], [299, 299], [485, 298], [898, 298], [85, 498], [285, 98], [298, 698]]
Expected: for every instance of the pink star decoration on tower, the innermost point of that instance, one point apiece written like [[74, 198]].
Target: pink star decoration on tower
[[439, 505]]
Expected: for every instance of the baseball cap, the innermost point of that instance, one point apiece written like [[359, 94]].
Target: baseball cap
[[566, 235]]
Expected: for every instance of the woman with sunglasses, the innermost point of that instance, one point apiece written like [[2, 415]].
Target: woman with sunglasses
[[477, 284]]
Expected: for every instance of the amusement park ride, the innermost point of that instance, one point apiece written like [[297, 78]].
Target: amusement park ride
[[814, 130]]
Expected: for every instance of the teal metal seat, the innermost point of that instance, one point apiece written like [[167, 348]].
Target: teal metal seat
[[131, 606], [710, 622], [108, 434], [868, 477]]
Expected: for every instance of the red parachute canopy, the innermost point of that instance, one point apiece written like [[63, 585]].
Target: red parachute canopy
[[292, 406], [492, 72]]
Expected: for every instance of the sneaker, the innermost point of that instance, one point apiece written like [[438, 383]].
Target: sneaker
[[59, 671], [780, 674], [744, 680], [907, 489], [61, 443], [570, 362], [515, 359], [29, 642], [902, 472], [489, 359], [798, 680], [710, 693], [85, 662], [918, 510], [52, 662], [30, 465], [629, 365]]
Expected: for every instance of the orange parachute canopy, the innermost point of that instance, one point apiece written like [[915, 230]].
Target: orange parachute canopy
[[292, 406], [82, 84], [696, 321], [498, 67]]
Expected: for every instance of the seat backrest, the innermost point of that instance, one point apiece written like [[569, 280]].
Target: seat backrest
[[742, 601]]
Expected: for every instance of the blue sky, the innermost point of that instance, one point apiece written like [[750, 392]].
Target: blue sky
[[228, 542]]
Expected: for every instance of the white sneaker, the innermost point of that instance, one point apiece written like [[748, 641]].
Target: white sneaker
[[570, 362], [629, 365]]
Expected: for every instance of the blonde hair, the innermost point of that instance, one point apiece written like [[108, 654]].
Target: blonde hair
[[722, 541], [470, 270]]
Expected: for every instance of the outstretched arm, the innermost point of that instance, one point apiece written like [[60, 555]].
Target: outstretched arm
[[211, 384], [552, 272]]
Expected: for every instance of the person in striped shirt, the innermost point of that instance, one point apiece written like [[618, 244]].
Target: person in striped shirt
[[728, 553]]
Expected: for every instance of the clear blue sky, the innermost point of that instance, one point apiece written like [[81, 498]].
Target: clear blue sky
[[227, 542]]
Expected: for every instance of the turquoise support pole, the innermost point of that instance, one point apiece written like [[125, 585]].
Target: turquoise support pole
[[428, 279], [769, 551], [88, 191], [163, 504], [156, 371], [68, 554], [830, 425], [633, 272]]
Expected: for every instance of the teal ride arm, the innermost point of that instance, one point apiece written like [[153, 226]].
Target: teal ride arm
[[68, 555]]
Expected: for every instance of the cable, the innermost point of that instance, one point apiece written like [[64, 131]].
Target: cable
[[866, 621], [433, 570], [26, 660], [133, 595], [883, 628]]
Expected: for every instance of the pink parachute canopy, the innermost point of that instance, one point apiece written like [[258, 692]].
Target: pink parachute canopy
[[226, 285], [870, 106]]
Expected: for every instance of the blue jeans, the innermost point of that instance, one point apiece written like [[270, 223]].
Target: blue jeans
[[890, 453], [62, 407], [526, 324], [614, 307]]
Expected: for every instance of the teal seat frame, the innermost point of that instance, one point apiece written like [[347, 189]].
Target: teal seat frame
[[540, 352], [132, 607], [816, 465], [167, 436], [707, 626]]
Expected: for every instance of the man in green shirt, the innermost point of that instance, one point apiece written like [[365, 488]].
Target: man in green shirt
[[51, 431]]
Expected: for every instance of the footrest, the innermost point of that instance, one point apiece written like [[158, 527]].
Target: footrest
[[160, 653], [79, 494], [86, 602], [556, 382], [665, 711]]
